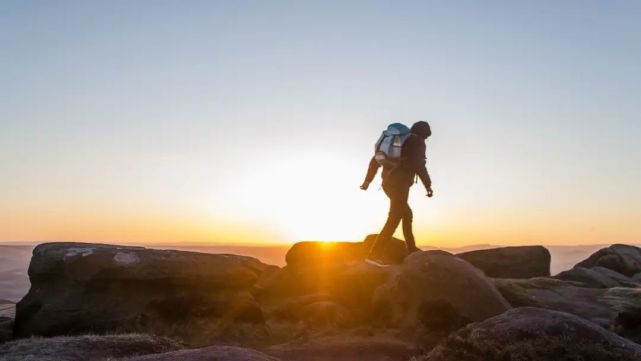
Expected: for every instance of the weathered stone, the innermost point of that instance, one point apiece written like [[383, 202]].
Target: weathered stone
[[598, 277], [511, 262], [435, 281], [315, 310], [211, 353], [598, 305], [84, 348], [95, 288], [532, 334], [321, 254], [621, 258], [348, 284]]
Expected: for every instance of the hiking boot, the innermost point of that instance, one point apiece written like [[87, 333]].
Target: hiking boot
[[376, 262]]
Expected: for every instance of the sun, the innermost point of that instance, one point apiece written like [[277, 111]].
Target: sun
[[314, 196]]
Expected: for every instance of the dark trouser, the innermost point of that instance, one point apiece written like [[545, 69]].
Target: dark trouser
[[398, 210]]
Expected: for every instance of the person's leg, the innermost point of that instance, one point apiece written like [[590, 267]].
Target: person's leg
[[407, 229], [396, 212]]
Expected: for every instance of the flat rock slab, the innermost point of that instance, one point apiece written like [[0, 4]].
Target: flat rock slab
[[511, 262], [319, 254], [79, 288]]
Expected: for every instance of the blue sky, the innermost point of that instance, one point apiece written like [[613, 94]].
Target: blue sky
[[231, 121]]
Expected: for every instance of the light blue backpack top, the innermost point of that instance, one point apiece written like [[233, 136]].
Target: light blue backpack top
[[387, 151]]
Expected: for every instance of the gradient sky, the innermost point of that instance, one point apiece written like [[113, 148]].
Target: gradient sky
[[253, 121]]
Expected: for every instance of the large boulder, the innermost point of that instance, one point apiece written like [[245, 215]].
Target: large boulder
[[95, 288], [211, 353], [87, 347], [532, 334], [616, 308], [320, 254], [511, 262], [621, 258], [437, 290]]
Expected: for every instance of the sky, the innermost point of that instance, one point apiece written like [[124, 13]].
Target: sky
[[254, 121]]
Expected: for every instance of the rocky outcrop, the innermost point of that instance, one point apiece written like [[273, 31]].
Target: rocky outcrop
[[211, 353], [84, 348], [599, 277], [511, 262], [532, 334], [433, 289], [320, 254], [621, 258], [609, 308], [437, 290], [327, 303], [93, 288]]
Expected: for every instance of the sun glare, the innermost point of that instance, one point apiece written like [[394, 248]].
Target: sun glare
[[306, 206]]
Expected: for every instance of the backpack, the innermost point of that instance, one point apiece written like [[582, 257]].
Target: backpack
[[387, 151]]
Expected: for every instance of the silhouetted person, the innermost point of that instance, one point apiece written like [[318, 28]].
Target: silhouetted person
[[397, 181]]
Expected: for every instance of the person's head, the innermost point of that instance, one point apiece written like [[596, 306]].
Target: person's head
[[422, 129]]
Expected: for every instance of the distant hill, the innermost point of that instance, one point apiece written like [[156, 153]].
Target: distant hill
[[14, 281]]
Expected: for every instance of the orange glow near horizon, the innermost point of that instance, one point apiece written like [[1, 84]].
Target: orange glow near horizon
[[286, 209]]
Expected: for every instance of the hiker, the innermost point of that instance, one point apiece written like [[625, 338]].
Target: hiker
[[400, 168]]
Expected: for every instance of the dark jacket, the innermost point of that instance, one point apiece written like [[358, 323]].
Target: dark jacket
[[412, 162]]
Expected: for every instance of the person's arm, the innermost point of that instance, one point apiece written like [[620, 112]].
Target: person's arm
[[372, 169], [417, 162]]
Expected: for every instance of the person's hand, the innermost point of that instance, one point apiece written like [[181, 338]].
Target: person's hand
[[430, 192], [365, 185]]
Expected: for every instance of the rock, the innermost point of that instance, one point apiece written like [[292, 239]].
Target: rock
[[6, 329], [628, 321], [600, 306], [621, 258], [349, 286], [346, 348], [320, 254], [532, 334], [331, 268], [211, 353], [511, 262], [317, 310], [558, 295], [598, 277], [434, 282], [81, 288], [83, 348]]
